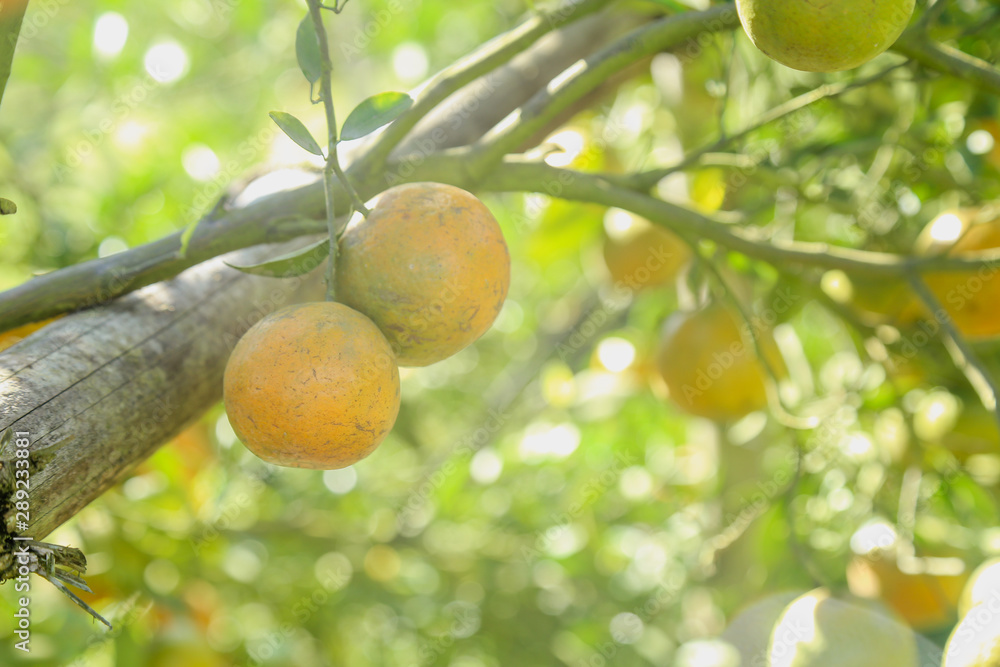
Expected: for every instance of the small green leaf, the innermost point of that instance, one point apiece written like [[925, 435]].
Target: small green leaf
[[373, 113], [307, 50], [296, 263], [7, 207], [10, 27], [296, 131]]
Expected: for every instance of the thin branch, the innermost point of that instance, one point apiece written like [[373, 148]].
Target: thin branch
[[932, 13], [780, 413], [914, 44], [516, 175], [582, 78], [962, 355], [646, 180]]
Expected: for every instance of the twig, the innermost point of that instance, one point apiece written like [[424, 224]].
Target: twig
[[783, 416], [794, 541], [949, 60], [289, 215], [932, 13], [646, 180]]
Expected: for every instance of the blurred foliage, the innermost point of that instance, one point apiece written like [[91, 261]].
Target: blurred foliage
[[540, 500]]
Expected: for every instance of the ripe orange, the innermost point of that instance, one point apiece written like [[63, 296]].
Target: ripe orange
[[312, 385], [17, 334], [646, 258], [429, 266], [969, 297], [925, 601], [710, 368]]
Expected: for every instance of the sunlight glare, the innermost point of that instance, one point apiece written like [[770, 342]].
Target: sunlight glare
[[615, 354], [947, 227], [110, 34]]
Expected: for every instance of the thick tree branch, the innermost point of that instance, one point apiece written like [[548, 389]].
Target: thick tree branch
[[113, 383]]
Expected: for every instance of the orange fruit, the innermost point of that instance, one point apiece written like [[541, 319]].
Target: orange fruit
[[710, 368], [312, 385], [969, 297], [429, 266], [646, 258], [827, 36], [925, 601], [17, 334]]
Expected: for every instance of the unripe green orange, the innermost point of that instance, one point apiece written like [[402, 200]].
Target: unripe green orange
[[824, 35]]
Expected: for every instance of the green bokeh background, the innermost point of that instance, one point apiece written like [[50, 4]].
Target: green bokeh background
[[531, 506]]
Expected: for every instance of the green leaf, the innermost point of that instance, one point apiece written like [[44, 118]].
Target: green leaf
[[7, 207], [296, 131], [296, 263], [373, 113], [10, 28], [307, 50]]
